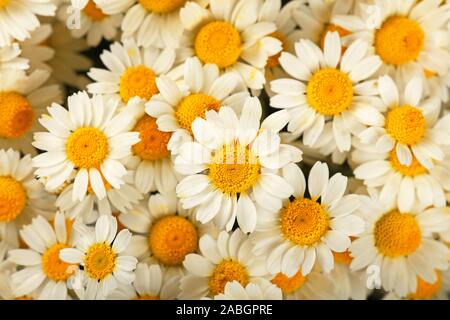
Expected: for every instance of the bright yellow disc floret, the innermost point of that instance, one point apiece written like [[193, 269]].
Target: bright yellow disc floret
[[138, 81], [13, 198], [414, 169], [426, 290], [53, 267], [87, 147], [227, 271], [162, 6], [16, 115], [94, 12], [3, 3], [289, 284], [194, 106], [153, 144], [99, 261], [405, 124]]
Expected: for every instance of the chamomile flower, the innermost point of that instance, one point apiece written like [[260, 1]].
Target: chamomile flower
[[10, 58], [410, 124], [229, 35], [307, 230], [401, 244], [43, 270], [259, 290], [23, 99], [409, 36], [326, 87], [18, 18], [132, 71], [152, 283], [101, 254], [232, 164], [21, 195], [176, 107], [223, 260], [90, 138]]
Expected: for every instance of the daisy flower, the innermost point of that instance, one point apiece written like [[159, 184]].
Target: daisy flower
[[10, 58], [409, 125], [229, 35], [101, 254], [90, 138], [201, 89], [232, 164], [152, 283], [409, 36], [42, 268], [260, 290], [326, 87], [18, 18], [23, 99], [223, 260], [21, 195], [401, 244], [306, 229], [131, 71]]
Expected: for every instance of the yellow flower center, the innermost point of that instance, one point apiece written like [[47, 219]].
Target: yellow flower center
[[153, 144], [429, 74], [289, 284], [53, 267], [94, 12], [147, 297], [194, 106], [24, 297], [3, 3], [333, 28], [219, 43], [138, 81], [397, 234], [227, 271], [343, 257], [162, 6], [405, 124], [171, 238], [412, 170], [16, 115], [274, 61], [87, 147], [234, 169], [100, 261], [426, 290], [13, 198], [329, 91], [304, 222], [399, 40]]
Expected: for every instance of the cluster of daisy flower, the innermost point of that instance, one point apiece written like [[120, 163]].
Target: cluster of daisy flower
[[224, 149]]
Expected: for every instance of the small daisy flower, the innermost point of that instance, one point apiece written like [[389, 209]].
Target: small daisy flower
[[90, 138], [229, 35], [260, 290], [407, 35], [23, 99], [328, 88], [176, 108], [410, 124], [305, 229], [21, 195], [401, 244], [101, 253], [18, 18], [10, 58], [234, 163], [227, 259], [152, 283], [43, 270]]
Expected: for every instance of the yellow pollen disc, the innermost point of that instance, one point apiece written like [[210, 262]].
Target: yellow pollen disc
[[289, 284], [426, 290], [13, 198], [304, 222], [87, 147], [3, 3], [397, 234], [234, 169], [153, 144], [137, 81], [399, 40], [227, 271], [16, 115], [94, 12], [329, 91], [100, 261], [273, 61], [412, 170], [332, 28], [342, 257], [147, 297], [429, 74], [405, 124], [194, 106], [171, 238], [162, 6], [53, 267], [219, 43]]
